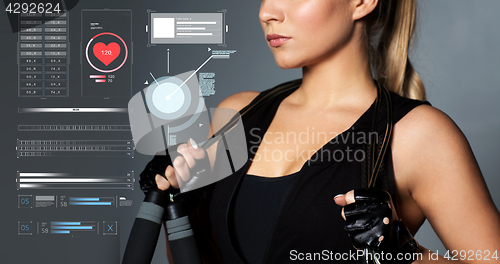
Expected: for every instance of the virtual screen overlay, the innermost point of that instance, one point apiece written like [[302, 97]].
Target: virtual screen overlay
[[171, 111], [100, 88]]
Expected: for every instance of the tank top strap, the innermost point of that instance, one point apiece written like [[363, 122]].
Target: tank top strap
[[402, 106], [257, 123]]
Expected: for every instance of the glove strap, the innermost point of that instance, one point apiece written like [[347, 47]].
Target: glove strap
[[407, 245], [403, 247]]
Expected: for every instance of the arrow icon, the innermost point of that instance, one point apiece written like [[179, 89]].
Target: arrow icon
[[209, 49], [200, 124], [146, 82]]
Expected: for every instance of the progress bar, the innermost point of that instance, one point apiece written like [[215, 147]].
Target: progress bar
[[71, 110]]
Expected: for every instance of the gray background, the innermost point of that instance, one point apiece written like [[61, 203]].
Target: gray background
[[456, 55]]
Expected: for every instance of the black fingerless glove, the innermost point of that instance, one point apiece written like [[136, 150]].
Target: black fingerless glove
[[201, 173], [372, 223], [157, 165], [178, 204]]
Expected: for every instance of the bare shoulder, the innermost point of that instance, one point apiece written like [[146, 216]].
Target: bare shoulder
[[239, 100], [429, 151], [427, 122], [437, 176], [427, 136]]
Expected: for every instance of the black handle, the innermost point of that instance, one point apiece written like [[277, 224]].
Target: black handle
[[144, 235], [182, 241]]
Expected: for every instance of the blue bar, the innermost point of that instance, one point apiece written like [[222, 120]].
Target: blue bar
[[89, 203], [85, 199], [65, 223], [59, 231], [72, 227]]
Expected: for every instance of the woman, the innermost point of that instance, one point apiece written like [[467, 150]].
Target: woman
[[279, 208]]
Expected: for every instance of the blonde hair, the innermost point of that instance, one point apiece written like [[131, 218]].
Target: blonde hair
[[393, 23]]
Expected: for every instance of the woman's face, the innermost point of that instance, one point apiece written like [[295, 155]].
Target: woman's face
[[304, 32]]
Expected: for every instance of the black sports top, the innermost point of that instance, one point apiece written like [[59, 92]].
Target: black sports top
[[255, 206], [308, 220]]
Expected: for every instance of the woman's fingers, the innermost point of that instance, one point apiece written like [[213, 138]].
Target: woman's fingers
[[344, 199], [349, 197], [340, 200], [196, 150], [161, 182], [170, 174], [191, 152], [181, 169], [183, 149]]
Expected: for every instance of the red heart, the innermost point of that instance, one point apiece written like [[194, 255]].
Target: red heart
[[106, 53]]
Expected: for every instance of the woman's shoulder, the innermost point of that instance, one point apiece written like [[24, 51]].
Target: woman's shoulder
[[420, 117], [426, 122], [427, 140], [238, 100], [426, 129]]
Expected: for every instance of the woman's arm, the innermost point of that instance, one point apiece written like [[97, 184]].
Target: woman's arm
[[438, 177]]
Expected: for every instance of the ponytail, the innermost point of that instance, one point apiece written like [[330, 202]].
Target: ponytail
[[393, 23]]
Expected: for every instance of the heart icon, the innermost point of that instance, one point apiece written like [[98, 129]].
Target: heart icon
[[106, 53]]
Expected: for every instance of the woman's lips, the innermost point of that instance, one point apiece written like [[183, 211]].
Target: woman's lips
[[276, 40]]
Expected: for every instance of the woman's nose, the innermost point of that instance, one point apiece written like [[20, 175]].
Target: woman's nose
[[271, 10]]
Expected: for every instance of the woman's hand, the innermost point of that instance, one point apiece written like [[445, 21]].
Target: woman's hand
[[182, 166], [372, 222]]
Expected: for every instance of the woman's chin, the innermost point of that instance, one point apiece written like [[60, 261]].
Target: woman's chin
[[287, 64]]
